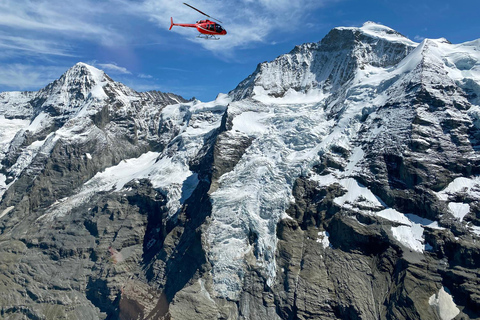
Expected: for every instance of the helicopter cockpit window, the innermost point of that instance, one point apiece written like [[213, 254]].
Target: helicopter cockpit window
[[211, 27], [219, 28]]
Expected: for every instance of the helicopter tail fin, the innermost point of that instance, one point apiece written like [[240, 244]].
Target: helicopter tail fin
[[171, 26]]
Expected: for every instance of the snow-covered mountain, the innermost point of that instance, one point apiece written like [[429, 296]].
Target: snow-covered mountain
[[339, 181]]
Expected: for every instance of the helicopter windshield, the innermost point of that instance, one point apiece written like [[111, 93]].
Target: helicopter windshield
[[218, 28]]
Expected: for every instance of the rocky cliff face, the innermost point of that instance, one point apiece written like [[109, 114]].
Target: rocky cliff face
[[339, 181]]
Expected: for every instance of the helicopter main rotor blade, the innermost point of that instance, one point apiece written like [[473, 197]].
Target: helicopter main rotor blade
[[201, 12]]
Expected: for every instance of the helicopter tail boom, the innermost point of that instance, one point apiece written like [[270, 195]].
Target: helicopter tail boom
[[188, 25]]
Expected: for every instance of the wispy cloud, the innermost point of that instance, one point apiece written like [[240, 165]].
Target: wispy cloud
[[27, 77], [46, 28], [78, 19], [144, 76], [112, 67], [247, 21], [54, 26], [31, 46], [48, 32], [37, 34], [418, 38]]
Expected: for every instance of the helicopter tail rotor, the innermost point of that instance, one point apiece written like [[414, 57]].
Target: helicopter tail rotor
[[171, 26]]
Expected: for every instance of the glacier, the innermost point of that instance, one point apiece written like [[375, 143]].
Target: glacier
[[292, 129]]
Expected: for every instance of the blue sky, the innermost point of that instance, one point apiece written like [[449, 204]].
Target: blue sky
[[130, 40]]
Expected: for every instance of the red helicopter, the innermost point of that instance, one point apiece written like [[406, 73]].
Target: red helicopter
[[208, 29]]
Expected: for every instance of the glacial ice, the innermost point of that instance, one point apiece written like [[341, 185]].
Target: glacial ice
[[292, 128]]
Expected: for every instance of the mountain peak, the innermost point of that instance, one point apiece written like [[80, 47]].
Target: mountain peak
[[377, 30], [375, 26], [330, 63], [86, 72], [81, 81]]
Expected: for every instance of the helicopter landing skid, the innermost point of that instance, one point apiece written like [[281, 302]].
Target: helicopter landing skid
[[208, 37]]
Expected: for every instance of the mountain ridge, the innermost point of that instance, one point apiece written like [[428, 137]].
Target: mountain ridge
[[337, 40]]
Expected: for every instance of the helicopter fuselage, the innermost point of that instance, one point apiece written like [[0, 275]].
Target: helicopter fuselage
[[203, 26]]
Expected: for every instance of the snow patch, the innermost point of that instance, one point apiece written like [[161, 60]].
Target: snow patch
[[3, 185], [100, 80], [9, 128], [410, 236], [354, 159], [423, 221], [395, 216], [30, 152], [443, 304], [409, 233], [474, 229], [323, 238], [459, 210], [40, 121], [357, 192], [174, 179], [290, 97], [461, 185], [251, 122], [169, 171], [6, 211], [325, 180]]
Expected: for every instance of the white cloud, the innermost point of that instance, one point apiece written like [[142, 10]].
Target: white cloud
[[418, 38], [55, 26], [30, 46], [28, 77], [112, 67], [60, 20], [246, 21], [40, 32], [61, 16]]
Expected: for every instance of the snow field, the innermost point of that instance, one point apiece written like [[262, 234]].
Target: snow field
[[368, 88], [6, 211], [290, 133], [380, 31], [168, 171], [459, 210], [443, 303], [323, 239], [8, 129], [461, 185], [410, 231], [257, 192]]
